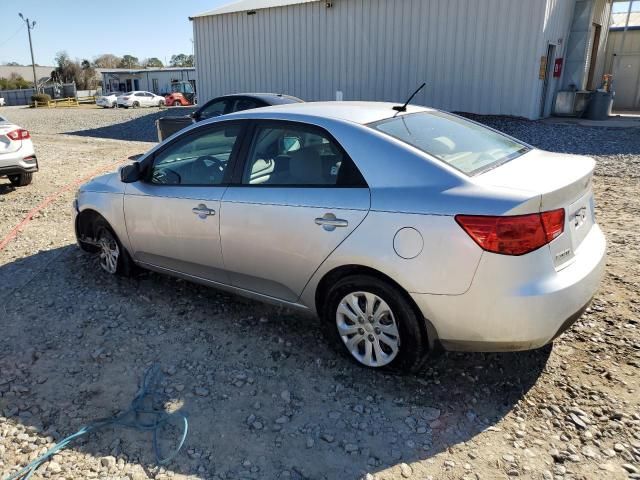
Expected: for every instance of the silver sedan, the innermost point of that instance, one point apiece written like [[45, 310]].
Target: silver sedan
[[404, 230]]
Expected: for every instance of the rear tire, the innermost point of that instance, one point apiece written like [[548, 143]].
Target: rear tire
[[177, 103], [113, 257], [384, 331], [21, 180]]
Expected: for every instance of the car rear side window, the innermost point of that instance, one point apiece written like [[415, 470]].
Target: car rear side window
[[465, 145], [246, 104], [297, 156]]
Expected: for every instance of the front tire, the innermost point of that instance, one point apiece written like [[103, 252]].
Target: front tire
[[160, 103], [21, 180], [113, 258], [373, 323], [135, 105]]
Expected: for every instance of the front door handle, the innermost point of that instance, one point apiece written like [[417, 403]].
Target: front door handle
[[203, 211], [329, 222]]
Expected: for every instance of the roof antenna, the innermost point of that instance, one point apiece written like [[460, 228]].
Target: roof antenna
[[403, 108]]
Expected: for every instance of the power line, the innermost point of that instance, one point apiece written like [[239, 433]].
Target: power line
[[12, 35]]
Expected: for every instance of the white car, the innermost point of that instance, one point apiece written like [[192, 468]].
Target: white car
[[137, 99], [108, 100], [18, 160], [1, 102]]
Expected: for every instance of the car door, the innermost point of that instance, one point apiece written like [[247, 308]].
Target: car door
[[297, 196], [172, 216], [140, 98]]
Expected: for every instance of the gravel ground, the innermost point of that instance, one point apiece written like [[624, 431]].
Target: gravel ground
[[267, 397]]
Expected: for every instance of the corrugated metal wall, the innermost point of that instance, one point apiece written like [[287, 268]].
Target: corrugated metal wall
[[625, 68], [479, 56], [602, 17]]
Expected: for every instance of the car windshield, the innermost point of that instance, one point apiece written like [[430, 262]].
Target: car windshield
[[465, 145]]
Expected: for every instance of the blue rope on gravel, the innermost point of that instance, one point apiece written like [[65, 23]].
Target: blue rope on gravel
[[131, 418]]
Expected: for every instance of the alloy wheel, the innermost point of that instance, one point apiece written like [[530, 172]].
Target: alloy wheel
[[368, 328], [109, 253]]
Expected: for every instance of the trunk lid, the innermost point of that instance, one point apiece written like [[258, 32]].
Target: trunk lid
[[561, 181], [558, 178]]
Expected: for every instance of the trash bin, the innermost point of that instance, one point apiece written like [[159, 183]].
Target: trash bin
[[600, 106]]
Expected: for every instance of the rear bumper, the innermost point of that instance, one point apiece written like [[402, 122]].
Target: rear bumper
[[518, 303], [18, 166]]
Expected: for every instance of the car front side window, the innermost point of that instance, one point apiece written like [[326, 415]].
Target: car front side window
[[201, 158], [214, 109]]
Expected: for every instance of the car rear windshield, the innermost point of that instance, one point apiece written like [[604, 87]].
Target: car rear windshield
[[465, 145]]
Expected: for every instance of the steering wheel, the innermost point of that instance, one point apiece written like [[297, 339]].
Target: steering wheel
[[160, 176], [203, 159]]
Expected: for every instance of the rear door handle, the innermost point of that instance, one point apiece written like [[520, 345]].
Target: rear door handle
[[203, 211], [329, 222]]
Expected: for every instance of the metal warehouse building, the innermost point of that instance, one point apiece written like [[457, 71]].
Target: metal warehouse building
[[482, 56]]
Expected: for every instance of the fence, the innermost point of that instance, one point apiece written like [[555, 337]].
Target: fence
[[23, 96]]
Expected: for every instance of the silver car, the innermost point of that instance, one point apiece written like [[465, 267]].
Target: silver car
[[404, 229]]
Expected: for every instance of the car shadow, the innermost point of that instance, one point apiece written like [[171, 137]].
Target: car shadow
[[6, 188], [264, 391], [139, 129]]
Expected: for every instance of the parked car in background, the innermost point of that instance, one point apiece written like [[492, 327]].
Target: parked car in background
[[402, 227], [139, 98], [226, 104], [108, 100], [18, 160], [182, 94], [1, 102]]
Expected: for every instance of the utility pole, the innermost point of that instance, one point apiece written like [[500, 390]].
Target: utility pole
[[30, 26]]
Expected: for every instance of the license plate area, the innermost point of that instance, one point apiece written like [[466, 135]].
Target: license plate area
[[580, 219]]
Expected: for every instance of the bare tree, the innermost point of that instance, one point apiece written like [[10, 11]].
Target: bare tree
[[107, 60]]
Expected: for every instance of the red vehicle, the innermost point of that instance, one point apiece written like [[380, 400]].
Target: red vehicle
[[182, 94]]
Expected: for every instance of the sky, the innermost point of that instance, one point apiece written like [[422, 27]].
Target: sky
[[151, 28]]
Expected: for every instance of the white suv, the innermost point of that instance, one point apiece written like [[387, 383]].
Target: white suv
[[18, 160]]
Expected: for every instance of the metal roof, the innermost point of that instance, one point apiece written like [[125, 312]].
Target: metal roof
[[249, 5], [133, 71]]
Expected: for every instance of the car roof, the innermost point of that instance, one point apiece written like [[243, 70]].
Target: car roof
[[271, 98], [357, 112]]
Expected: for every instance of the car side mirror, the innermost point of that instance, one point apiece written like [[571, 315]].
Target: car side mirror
[[130, 173], [195, 116]]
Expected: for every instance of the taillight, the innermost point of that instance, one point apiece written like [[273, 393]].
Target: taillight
[[19, 134], [513, 235]]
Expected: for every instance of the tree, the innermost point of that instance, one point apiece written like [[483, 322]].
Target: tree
[[11, 64], [181, 60], [129, 61], [107, 60], [14, 82], [152, 62], [67, 70]]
